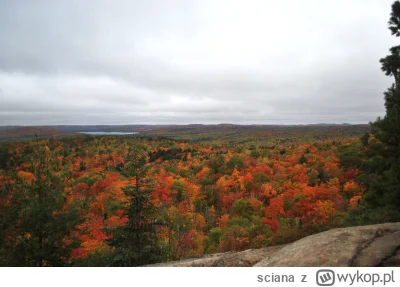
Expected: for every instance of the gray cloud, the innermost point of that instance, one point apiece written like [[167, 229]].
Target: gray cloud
[[111, 62]]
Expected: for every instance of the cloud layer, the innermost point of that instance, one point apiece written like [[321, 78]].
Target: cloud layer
[[161, 62]]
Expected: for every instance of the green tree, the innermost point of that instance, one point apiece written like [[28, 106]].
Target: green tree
[[41, 235], [382, 167], [391, 63], [394, 21], [364, 139], [242, 208], [136, 242], [387, 129], [235, 162], [4, 155], [303, 159]]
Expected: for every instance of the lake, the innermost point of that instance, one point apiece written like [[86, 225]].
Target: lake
[[109, 133]]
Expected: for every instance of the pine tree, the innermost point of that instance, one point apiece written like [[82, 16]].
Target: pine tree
[[382, 197], [136, 242], [41, 235]]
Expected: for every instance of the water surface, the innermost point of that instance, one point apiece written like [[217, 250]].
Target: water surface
[[108, 133]]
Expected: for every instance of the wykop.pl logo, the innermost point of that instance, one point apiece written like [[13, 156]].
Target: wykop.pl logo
[[325, 277]]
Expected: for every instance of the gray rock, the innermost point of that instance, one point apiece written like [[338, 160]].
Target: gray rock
[[379, 250], [245, 258], [371, 245]]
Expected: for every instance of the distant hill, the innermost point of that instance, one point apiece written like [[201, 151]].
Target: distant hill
[[18, 132], [196, 132]]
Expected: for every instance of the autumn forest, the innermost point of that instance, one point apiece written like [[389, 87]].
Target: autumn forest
[[132, 200]]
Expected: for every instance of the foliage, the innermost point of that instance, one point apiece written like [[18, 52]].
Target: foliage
[[145, 200], [380, 166], [135, 242], [39, 221]]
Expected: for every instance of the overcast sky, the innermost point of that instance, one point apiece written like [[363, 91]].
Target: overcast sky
[[182, 62]]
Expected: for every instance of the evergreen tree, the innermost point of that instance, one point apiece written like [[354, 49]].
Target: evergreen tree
[[382, 168], [10, 207], [136, 242], [394, 21], [42, 223]]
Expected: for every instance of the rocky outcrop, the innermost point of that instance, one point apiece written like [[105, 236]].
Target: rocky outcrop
[[371, 245], [245, 258]]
